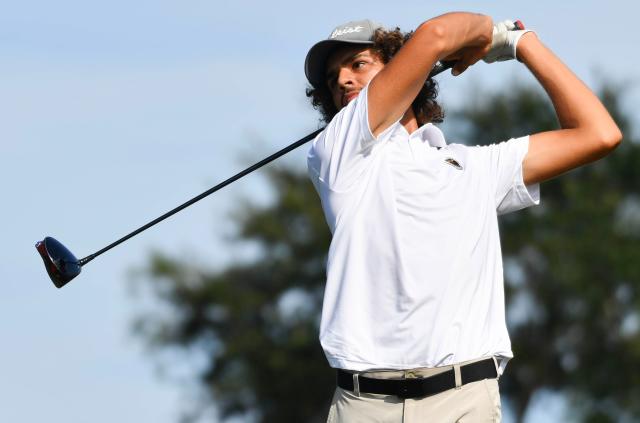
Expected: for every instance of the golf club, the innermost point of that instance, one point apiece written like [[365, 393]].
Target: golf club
[[62, 266]]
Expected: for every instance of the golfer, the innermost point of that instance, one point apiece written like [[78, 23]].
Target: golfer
[[413, 317]]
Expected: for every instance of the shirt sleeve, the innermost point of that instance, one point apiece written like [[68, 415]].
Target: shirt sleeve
[[511, 193], [339, 154]]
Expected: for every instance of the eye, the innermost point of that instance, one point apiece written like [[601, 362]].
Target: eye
[[359, 64]]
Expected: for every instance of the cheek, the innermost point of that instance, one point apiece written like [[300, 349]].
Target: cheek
[[374, 72], [337, 98]]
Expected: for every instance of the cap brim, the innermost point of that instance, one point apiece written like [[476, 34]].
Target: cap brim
[[316, 62]]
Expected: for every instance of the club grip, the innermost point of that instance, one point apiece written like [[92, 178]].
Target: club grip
[[441, 67]]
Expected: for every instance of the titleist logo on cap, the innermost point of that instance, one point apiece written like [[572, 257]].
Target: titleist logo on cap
[[345, 30]]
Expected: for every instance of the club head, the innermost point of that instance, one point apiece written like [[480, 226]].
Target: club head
[[61, 264]]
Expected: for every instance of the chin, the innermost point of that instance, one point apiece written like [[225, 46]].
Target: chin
[[347, 102]]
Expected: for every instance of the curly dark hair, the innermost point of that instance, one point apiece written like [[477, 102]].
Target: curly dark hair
[[386, 44]]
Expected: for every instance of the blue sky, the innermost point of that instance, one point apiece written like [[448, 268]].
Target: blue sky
[[112, 113]]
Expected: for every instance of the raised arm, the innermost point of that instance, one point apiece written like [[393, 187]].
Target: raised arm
[[587, 130], [462, 36]]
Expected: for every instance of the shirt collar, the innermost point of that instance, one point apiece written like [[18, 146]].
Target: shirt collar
[[431, 134]]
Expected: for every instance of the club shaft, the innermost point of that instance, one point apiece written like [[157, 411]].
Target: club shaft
[[440, 67], [205, 194]]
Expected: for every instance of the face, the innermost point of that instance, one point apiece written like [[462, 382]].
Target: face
[[349, 70]]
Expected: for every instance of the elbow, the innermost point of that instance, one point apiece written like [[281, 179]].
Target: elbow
[[603, 138], [605, 141], [611, 138]]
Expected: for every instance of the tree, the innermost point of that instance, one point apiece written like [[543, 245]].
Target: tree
[[258, 321], [572, 282], [574, 265]]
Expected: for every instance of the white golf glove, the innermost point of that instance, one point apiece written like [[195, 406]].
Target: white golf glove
[[506, 35]]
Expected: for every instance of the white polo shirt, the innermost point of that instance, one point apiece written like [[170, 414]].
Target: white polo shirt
[[414, 272]]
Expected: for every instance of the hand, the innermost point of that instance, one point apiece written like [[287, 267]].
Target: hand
[[469, 37], [466, 57], [506, 35]]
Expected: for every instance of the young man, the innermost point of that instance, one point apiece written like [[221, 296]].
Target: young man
[[413, 316]]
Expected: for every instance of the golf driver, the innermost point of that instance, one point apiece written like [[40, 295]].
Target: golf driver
[[62, 266]]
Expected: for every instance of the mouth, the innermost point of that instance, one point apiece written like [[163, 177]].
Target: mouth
[[348, 96]]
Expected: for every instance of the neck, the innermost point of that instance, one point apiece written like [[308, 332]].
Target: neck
[[409, 121]]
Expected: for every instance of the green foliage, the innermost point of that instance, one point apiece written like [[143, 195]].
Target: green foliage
[[572, 283], [263, 356], [578, 260]]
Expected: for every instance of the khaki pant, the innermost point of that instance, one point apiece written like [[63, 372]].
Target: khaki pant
[[470, 403]]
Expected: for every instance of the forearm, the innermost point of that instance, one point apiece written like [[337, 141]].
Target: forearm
[[576, 106], [396, 86], [458, 30], [441, 37], [587, 130]]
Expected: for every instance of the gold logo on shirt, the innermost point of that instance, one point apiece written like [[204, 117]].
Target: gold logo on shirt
[[453, 162]]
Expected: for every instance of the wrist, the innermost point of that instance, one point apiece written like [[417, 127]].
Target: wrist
[[451, 32], [483, 34], [487, 22], [525, 45]]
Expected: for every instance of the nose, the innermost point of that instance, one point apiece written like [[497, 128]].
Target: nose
[[345, 77]]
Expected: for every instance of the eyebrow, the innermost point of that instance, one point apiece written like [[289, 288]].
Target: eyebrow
[[332, 73]]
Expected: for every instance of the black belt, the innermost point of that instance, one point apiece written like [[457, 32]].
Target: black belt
[[420, 387]]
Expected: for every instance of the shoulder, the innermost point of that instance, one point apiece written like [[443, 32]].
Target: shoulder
[[458, 154], [348, 122], [514, 147]]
